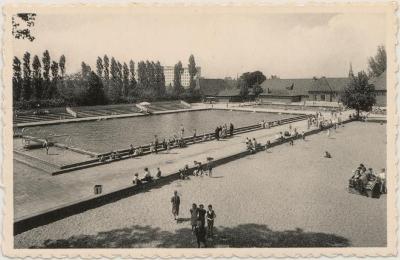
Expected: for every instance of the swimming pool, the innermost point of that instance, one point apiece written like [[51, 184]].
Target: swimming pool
[[107, 135]]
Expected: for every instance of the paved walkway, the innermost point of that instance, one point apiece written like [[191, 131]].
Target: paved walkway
[[290, 196], [37, 191]]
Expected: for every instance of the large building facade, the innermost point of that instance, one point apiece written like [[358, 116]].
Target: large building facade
[[185, 77]]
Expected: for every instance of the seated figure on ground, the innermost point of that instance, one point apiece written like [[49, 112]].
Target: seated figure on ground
[[136, 180], [327, 155], [158, 174], [102, 158], [131, 150], [135, 152], [147, 175]]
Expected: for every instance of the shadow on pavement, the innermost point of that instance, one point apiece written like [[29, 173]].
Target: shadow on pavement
[[245, 235]]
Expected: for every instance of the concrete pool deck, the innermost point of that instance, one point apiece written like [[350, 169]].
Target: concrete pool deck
[[258, 201], [36, 191]]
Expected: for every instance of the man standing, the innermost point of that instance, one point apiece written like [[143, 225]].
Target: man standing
[[202, 214], [156, 143], [182, 130], [46, 145], [200, 232], [210, 220], [176, 201], [231, 129], [217, 133]]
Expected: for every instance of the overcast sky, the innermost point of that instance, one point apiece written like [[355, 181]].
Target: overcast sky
[[223, 43]]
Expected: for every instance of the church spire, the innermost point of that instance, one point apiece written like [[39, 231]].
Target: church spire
[[351, 74]]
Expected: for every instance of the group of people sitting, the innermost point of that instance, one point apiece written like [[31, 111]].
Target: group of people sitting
[[252, 145], [362, 176], [112, 156], [147, 176], [268, 125], [291, 132]]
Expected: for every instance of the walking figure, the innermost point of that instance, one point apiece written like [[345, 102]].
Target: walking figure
[[176, 201], [46, 145]]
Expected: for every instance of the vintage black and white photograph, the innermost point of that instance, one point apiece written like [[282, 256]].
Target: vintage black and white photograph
[[187, 127]]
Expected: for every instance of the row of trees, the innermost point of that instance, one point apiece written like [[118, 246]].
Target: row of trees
[[44, 80], [119, 82], [37, 79]]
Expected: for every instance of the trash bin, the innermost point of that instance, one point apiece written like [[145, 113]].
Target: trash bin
[[97, 189]]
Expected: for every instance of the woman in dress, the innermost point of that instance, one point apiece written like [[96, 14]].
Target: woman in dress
[[193, 216]]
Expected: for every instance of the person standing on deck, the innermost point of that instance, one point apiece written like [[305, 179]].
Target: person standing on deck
[[182, 130], [46, 145], [202, 214], [176, 201], [200, 232], [194, 135], [155, 143], [210, 221], [217, 133], [231, 129], [193, 216]]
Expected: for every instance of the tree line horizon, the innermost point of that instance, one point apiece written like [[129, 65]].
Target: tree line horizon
[[44, 83]]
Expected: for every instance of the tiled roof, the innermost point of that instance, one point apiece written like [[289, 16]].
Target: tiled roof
[[379, 82], [286, 87]]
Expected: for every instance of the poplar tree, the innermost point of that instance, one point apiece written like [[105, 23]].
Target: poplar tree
[[113, 89], [160, 79], [99, 67], [54, 79], [178, 88], [37, 78], [125, 80], [26, 89], [192, 73], [46, 63], [106, 68], [377, 64], [141, 75], [61, 63], [132, 79], [17, 79]]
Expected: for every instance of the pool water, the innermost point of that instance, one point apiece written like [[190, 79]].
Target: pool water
[[112, 134]]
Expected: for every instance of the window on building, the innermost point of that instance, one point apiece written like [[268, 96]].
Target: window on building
[[323, 97]]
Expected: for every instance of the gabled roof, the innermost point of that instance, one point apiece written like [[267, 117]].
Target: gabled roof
[[286, 87], [379, 82], [329, 85], [320, 85], [338, 84]]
